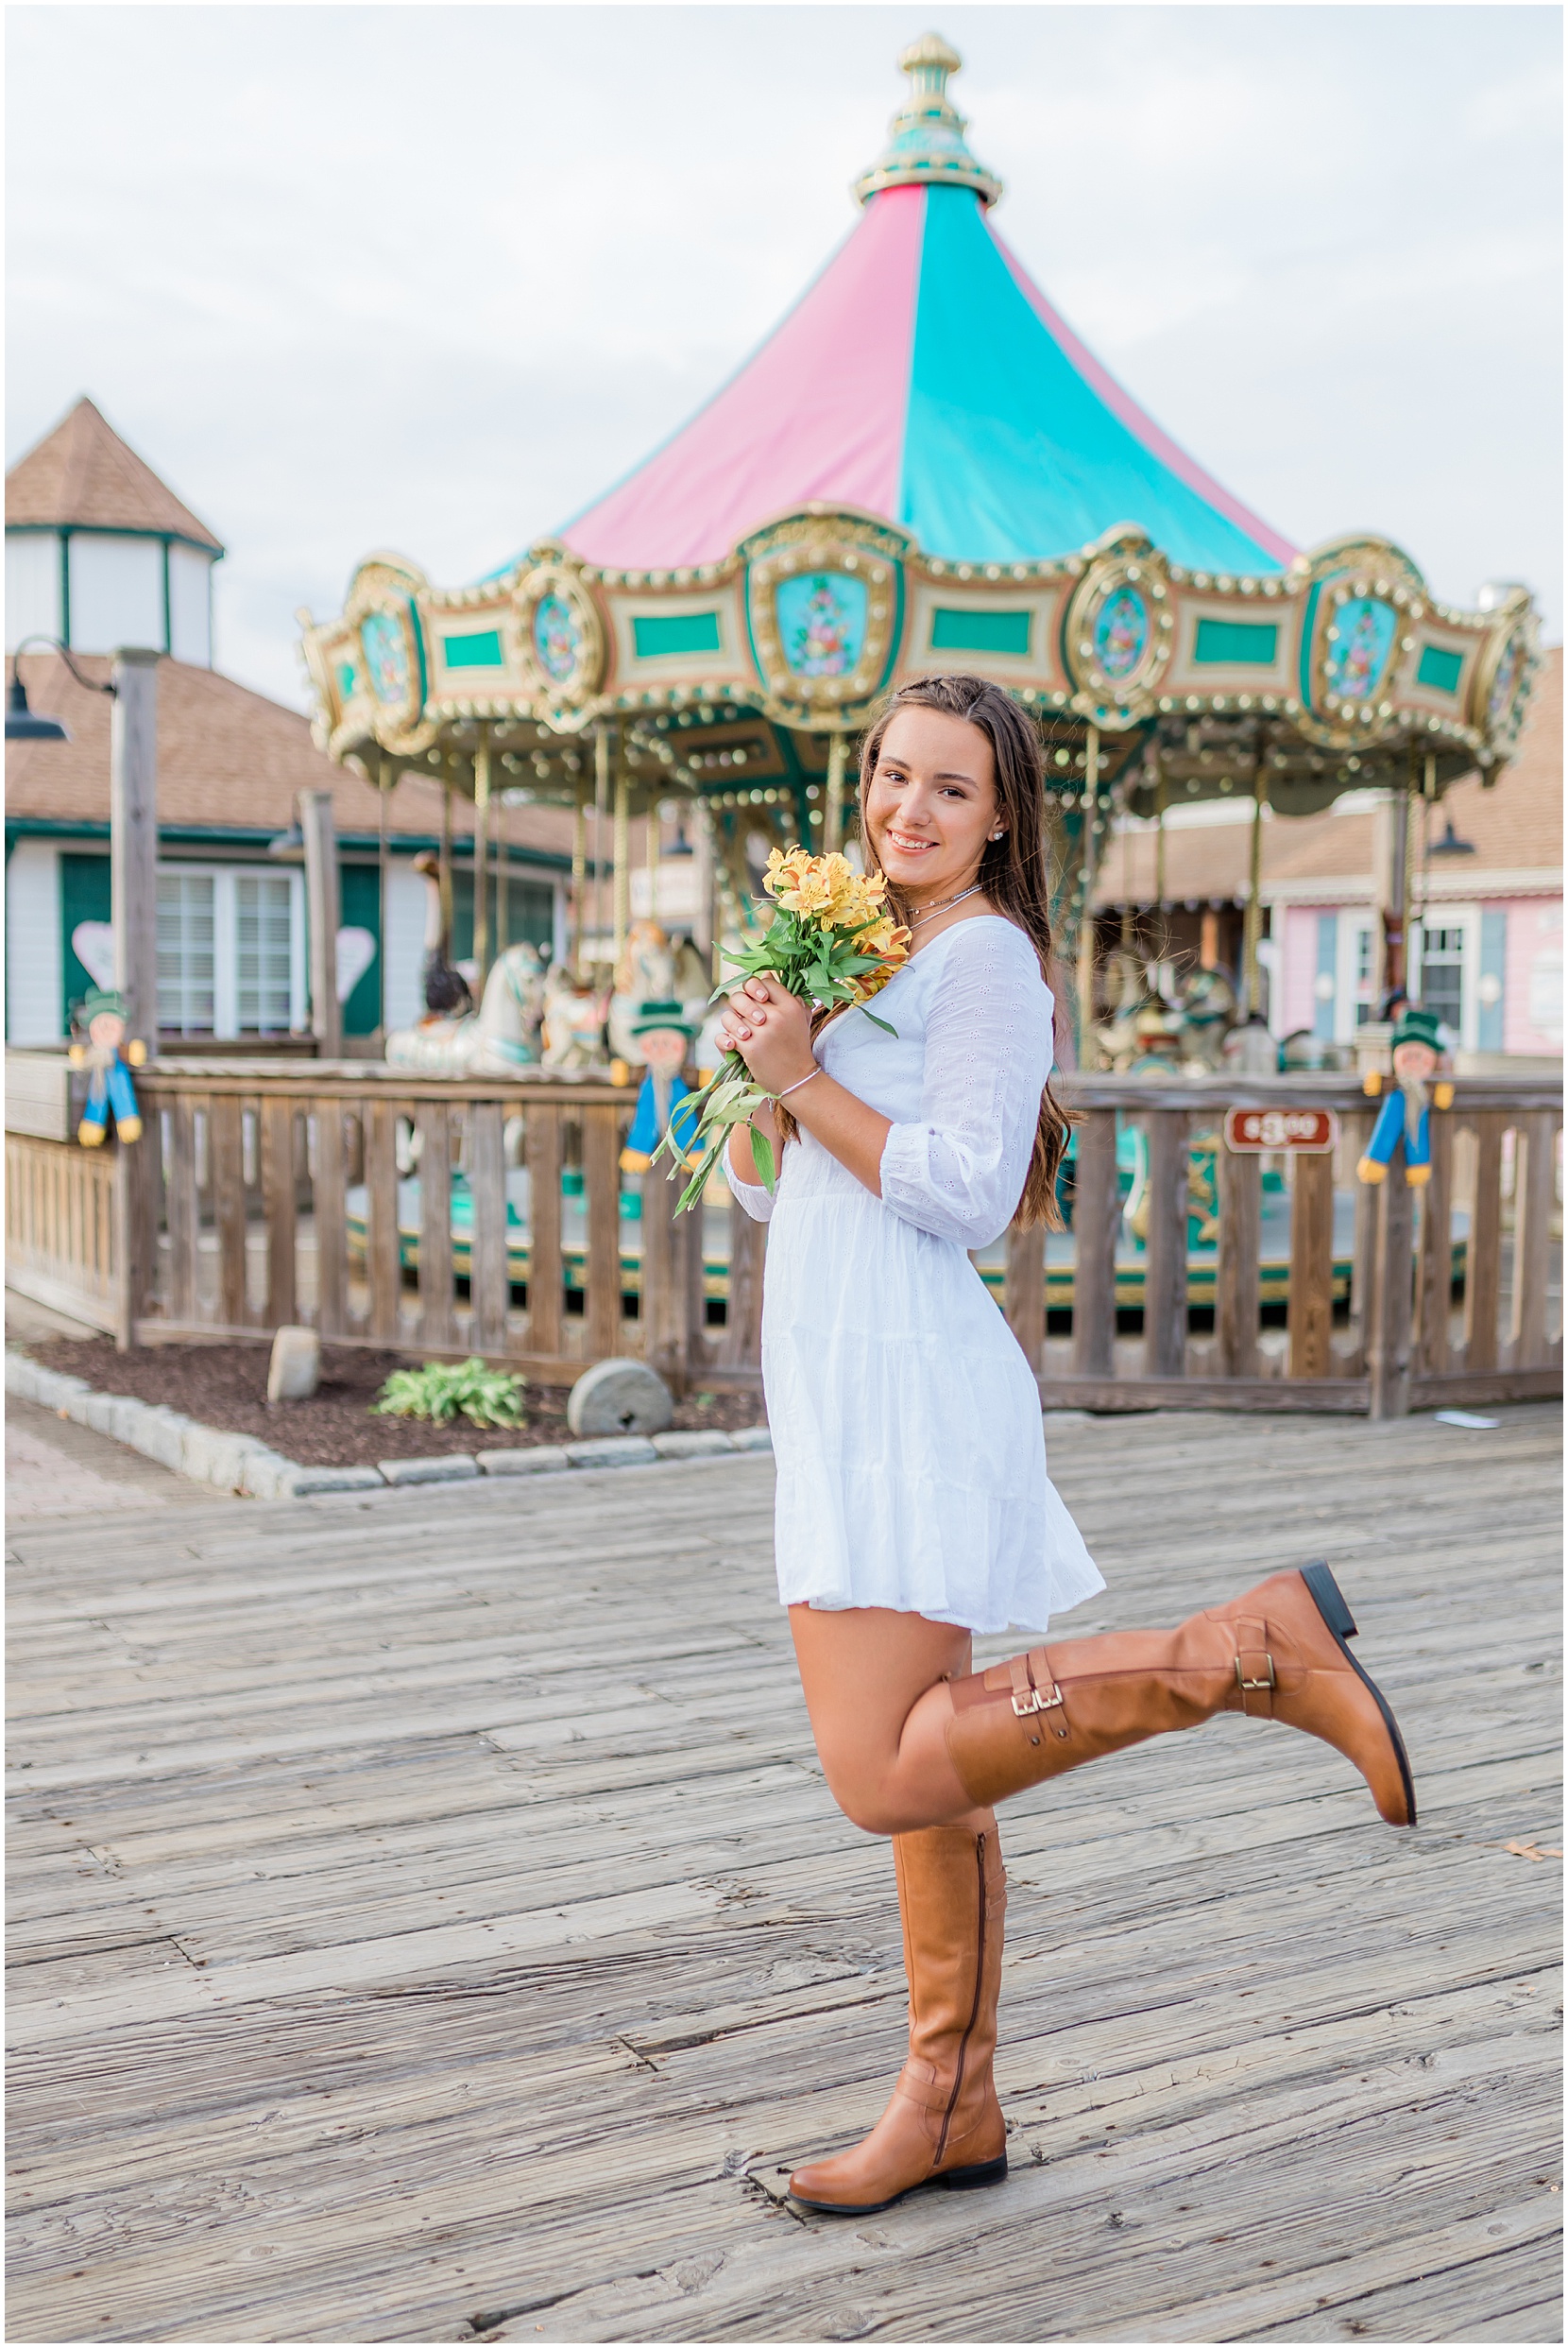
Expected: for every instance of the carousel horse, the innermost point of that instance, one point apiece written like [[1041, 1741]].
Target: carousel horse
[[497, 1040]]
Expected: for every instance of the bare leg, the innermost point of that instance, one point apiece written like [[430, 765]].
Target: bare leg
[[876, 1688]]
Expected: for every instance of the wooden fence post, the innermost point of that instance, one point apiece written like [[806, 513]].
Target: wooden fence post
[[1164, 1276], [1096, 1221], [1388, 1338], [1236, 1277]]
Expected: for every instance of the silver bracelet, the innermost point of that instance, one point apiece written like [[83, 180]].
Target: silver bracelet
[[796, 1086]]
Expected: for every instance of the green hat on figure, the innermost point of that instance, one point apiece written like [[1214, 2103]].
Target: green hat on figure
[[651, 1016], [101, 999], [1418, 1026]]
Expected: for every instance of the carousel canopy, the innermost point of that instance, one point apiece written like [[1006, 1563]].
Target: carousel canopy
[[972, 416], [924, 469]]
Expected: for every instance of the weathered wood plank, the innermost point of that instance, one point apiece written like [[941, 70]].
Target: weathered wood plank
[[1096, 1223], [543, 1143], [327, 1192], [1311, 1309], [225, 1154], [1164, 1309], [383, 1245], [435, 1274], [1434, 1256], [563, 1977], [278, 1199], [602, 1182], [490, 1290], [1535, 1184], [182, 1209], [1484, 1263], [1235, 1303]]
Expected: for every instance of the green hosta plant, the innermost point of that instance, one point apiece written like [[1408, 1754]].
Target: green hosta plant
[[442, 1390]]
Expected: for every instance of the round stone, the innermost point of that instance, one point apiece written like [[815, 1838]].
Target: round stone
[[620, 1398]]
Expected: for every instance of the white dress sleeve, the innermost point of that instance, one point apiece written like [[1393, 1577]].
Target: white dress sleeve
[[753, 1196], [959, 1171]]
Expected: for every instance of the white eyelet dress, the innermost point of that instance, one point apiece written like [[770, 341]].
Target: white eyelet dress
[[905, 1423]]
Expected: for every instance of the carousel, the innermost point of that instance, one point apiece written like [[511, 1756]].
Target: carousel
[[921, 468]]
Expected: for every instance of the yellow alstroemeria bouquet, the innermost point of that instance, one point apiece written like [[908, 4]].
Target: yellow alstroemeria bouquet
[[831, 941]]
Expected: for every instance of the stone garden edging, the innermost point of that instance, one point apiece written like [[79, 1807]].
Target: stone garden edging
[[246, 1464]]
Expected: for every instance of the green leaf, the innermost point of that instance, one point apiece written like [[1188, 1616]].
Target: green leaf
[[486, 1397], [761, 1149], [882, 1023]]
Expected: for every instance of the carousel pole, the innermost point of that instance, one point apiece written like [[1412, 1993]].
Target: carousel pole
[[444, 876], [1162, 925], [501, 862], [383, 796], [1252, 933], [601, 818], [834, 825], [622, 879], [481, 858], [579, 879], [1086, 912], [1396, 911]]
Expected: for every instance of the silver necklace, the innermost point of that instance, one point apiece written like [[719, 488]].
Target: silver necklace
[[931, 911]]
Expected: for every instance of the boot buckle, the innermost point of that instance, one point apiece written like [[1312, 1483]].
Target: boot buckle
[[1245, 1684], [1037, 1702]]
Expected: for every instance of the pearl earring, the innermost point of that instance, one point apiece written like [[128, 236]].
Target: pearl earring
[[997, 836]]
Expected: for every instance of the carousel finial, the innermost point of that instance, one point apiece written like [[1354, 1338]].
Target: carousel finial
[[926, 144]]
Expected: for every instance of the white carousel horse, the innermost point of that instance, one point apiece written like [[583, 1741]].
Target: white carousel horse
[[497, 1040]]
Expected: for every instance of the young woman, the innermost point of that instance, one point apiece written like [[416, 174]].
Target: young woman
[[914, 1506]]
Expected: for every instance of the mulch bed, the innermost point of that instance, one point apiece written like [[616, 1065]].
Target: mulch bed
[[224, 1385]]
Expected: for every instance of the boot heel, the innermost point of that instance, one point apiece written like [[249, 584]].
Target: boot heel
[[981, 2172], [1329, 1600]]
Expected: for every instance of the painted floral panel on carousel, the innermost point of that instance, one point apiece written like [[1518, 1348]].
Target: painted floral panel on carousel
[[822, 619]]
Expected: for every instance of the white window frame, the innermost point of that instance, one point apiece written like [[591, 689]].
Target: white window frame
[[1356, 922], [226, 1028], [1467, 920]]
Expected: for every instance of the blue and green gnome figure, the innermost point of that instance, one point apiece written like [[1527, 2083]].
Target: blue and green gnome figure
[[666, 1037], [1417, 1054], [98, 1044]]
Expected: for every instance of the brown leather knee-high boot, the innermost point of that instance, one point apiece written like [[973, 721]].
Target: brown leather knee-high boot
[[1278, 1654], [944, 2125]]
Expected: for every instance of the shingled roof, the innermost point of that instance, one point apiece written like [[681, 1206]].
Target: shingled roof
[[83, 476], [228, 759]]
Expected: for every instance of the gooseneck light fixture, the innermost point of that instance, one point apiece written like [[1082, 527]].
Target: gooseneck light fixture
[[26, 724]]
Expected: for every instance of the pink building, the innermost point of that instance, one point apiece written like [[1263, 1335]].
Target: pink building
[[1485, 895]]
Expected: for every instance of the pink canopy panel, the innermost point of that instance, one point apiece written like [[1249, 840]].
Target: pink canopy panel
[[923, 376]]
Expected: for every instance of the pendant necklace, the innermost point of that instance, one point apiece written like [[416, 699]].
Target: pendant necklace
[[931, 911]]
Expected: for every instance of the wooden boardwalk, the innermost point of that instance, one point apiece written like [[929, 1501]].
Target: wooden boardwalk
[[430, 1922]]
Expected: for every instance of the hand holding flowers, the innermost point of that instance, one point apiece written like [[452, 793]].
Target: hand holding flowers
[[832, 942]]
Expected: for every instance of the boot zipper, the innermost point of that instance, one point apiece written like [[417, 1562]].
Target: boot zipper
[[974, 2010]]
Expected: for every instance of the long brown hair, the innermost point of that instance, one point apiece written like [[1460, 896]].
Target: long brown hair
[[1014, 871]]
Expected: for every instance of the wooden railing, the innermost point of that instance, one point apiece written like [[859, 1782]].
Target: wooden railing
[[1309, 1290], [446, 1217]]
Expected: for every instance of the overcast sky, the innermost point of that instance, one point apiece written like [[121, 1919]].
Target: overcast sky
[[430, 278]]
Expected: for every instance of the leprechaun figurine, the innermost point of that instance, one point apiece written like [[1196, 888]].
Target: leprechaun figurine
[[1417, 1056], [666, 1037], [98, 1044]]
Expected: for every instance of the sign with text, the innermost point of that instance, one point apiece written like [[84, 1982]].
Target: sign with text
[[1247, 1129]]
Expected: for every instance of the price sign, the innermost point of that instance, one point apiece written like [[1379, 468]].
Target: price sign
[[1309, 1129]]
